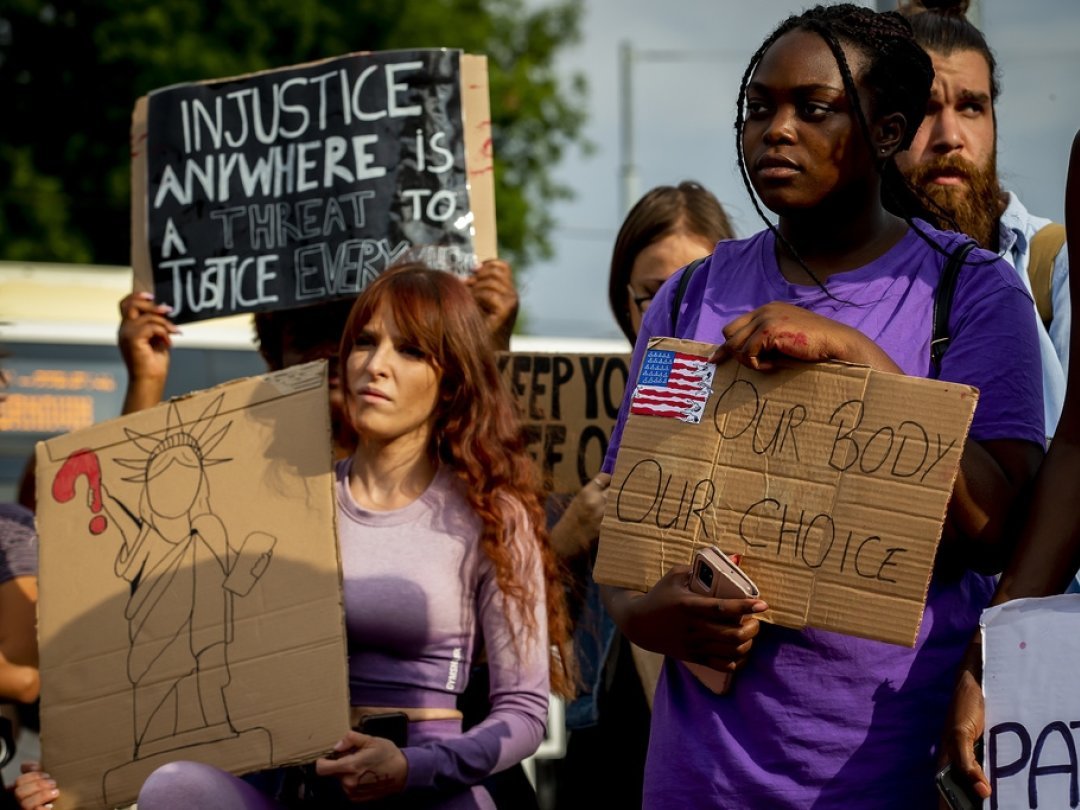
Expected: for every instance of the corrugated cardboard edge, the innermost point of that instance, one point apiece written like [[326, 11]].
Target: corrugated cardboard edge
[[479, 157], [142, 272]]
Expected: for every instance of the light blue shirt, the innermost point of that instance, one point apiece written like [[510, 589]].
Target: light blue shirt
[[1017, 227]]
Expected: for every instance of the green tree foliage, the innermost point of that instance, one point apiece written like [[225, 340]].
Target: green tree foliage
[[70, 72]]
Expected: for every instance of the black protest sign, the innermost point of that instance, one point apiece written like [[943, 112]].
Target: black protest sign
[[300, 185], [568, 404]]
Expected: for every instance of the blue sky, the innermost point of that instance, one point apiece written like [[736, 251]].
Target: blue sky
[[684, 108]]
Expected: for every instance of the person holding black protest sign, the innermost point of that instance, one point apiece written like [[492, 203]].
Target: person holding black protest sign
[[666, 229], [442, 544], [817, 718]]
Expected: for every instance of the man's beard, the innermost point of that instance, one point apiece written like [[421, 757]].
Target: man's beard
[[972, 207]]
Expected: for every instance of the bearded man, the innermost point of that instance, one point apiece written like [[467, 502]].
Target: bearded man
[[952, 166]]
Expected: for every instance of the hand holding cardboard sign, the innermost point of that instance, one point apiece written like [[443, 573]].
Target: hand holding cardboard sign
[[368, 768], [579, 526], [766, 337], [35, 789], [492, 287], [145, 340], [673, 620]]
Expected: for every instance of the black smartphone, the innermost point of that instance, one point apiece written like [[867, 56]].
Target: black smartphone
[[393, 726], [955, 787]]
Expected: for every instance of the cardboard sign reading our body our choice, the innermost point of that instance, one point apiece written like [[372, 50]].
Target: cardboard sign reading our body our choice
[[302, 184], [568, 404], [1031, 652], [831, 481], [190, 594]]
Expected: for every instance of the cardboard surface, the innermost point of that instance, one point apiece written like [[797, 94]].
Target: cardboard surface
[[569, 404], [479, 154], [831, 481], [1031, 652], [297, 185], [190, 590]]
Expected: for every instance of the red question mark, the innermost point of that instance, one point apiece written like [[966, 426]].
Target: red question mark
[[81, 462]]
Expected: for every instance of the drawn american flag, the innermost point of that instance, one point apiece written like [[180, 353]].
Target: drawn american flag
[[673, 385]]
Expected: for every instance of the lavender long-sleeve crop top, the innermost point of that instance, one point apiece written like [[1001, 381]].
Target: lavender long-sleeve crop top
[[420, 597]]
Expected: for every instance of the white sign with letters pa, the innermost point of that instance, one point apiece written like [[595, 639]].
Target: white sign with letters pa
[[1031, 655]]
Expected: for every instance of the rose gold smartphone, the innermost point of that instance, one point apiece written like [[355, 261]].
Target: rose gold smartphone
[[714, 574]]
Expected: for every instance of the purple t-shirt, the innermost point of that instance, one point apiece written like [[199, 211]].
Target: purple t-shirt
[[419, 594], [819, 719]]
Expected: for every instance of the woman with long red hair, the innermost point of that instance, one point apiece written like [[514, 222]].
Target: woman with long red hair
[[442, 540]]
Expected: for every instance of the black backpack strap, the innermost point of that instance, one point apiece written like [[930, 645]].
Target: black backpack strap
[[943, 298], [680, 291]]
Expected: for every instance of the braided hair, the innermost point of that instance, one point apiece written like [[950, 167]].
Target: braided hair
[[899, 73]]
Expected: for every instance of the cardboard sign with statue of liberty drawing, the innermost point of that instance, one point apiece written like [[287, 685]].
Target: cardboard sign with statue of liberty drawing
[[190, 592]]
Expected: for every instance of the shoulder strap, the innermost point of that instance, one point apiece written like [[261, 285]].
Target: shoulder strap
[[680, 291], [943, 297], [1046, 244]]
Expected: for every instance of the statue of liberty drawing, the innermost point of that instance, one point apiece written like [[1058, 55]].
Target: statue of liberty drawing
[[184, 573]]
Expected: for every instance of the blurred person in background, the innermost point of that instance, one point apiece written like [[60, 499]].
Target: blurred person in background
[[952, 166]]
